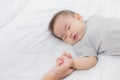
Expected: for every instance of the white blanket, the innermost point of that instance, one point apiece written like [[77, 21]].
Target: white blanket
[[28, 50]]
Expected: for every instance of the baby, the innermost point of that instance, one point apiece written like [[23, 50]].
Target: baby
[[70, 27], [98, 35]]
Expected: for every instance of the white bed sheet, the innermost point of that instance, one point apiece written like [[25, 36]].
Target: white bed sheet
[[9, 9], [28, 50]]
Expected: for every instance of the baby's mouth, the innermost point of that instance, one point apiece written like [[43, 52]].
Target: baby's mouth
[[75, 37]]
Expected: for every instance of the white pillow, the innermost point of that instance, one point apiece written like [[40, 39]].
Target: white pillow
[[28, 32]]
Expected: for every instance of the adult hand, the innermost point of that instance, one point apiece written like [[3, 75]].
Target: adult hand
[[59, 72]]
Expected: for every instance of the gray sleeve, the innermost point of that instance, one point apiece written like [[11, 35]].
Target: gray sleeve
[[84, 49]]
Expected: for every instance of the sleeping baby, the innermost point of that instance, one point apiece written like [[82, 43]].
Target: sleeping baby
[[97, 35]]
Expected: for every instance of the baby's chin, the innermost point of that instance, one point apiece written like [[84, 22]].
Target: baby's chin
[[74, 42]]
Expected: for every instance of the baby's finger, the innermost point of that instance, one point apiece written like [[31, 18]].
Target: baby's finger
[[60, 58], [59, 61], [69, 56], [64, 54]]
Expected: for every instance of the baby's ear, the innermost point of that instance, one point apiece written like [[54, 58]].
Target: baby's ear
[[78, 16]]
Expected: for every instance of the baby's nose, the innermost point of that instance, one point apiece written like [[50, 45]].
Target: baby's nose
[[69, 34]]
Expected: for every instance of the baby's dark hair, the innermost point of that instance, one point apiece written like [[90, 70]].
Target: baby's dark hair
[[63, 12]]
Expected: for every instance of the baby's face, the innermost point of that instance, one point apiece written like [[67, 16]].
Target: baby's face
[[69, 29]]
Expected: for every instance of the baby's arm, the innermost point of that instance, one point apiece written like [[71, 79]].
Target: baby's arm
[[83, 63], [80, 63]]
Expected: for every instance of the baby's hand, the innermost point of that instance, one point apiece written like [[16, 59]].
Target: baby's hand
[[63, 59]]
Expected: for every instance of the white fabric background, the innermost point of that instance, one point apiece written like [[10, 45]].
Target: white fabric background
[[9, 9], [28, 50]]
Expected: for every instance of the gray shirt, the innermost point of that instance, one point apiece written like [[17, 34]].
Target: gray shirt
[[102, 36]]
